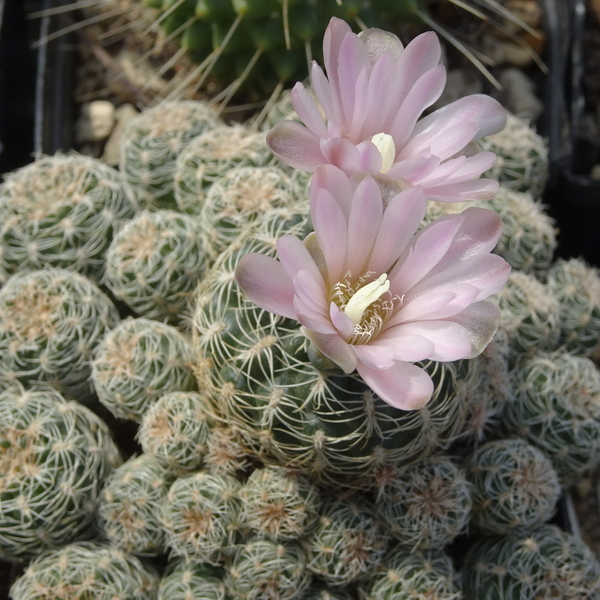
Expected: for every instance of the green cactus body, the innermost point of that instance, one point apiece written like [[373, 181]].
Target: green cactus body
[[347, 544], [265, 570], [54, 459], [155, 262], [86, 570], [320, 592], [138, 362], [130, 505], [50, 323], [576, 285], [487, 388], [529, 315], [409, 575], [427, 505], [201, 516], [61, 211], [175, 431], [279, 504], [522, 157], [557, 409], [240, 197], [255, 367], [550, 563], [211, 156], [151, 144], [514, 487], [187, 580]]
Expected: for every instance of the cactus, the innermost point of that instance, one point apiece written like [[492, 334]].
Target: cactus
[[347, 543], [409, 575], [61, 211], [54, 459], [514, 487], [187, 580], [264, 570], [86, 570], [130, 505], [210, 156], [279, 504], [427, 505], [550, 563], [151, 144], [154, 264], [50, 323], [175, 430], [139, 361], [530, 315], [319, 592], [577, 287], [226, 454], [557, 409], [255, 367], [522, 163], [238, 198], [201, 516], [487, 388]]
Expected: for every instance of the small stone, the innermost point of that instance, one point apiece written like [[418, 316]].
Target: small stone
[[518, 94], [95, 122], [112, 150]]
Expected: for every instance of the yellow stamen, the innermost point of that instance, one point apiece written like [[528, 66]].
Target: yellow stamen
[[385, 144], [364, 297]]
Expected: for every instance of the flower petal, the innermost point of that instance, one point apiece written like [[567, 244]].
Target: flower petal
[[307, 110], [404, 347], [436, 305], [462, 168], [341, 321], [403, 385], [481, 320], [478, 189], [333, 347], [373, 356], [363, 225], [401, 218], [379, 42], [341, 153], [450, 340], [295, 145], [266, 283], [335, 181], [294, 257]]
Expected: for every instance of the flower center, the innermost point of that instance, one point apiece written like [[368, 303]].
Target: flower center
[[363, 304], [385, 144]]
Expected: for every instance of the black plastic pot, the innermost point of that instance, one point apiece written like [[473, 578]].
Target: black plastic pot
[[572, 195]]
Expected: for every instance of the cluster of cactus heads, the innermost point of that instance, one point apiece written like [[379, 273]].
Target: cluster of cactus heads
[[265, 471]]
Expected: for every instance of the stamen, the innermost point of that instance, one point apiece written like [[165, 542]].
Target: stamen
[[385, 144]]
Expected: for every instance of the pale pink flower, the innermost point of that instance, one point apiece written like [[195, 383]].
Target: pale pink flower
[[373, 95], [373, 296]]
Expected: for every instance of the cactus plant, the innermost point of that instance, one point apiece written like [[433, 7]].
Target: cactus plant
[[86, 570], [549, 563], [175, 430], [522, 163], [255, 367], [226, 453], [406, 575], [185, 580], [238, 198], [130, 504], [530, 315], [347, 544], [514, 487], [427, 505], [154, 264], [279, 504], [50, 322], [139, 361], [319, 592], [61, 211], [201, 516], [262, 569], [557, 409], [150, 146], [210, 156], [55, 457], [577, 287]]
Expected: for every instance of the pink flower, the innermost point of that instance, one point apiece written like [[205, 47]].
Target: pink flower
[[373, 296], [375, 92]]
